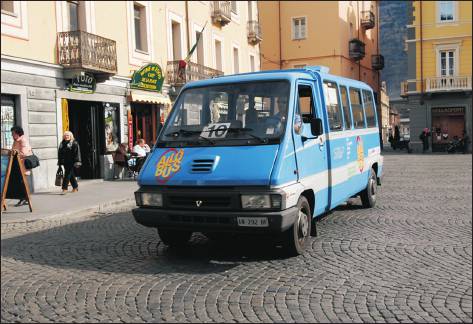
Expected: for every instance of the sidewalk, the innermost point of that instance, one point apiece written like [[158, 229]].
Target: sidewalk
[[93, 196]]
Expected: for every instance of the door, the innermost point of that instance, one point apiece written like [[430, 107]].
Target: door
[[84, 122], [311, 153]]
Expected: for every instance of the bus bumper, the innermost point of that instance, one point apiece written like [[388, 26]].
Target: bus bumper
[[214, 221]]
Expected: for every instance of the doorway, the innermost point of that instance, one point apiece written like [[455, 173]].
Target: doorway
[[85, 120], [448, 123]]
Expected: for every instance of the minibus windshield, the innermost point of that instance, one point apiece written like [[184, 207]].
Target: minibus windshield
[[250, 113]]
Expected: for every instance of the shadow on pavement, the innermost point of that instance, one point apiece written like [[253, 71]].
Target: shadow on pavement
[[116, 244]]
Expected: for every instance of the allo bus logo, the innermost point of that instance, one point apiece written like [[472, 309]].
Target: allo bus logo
[[169, 164], [360, 153]]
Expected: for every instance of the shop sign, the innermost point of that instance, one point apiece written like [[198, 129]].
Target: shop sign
[[448, 110], [149, 77], [83, 83]]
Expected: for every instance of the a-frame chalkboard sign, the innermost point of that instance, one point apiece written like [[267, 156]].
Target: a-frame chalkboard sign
[[14, 183]]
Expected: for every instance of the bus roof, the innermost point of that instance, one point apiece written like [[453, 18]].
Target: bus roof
[[289, 74]]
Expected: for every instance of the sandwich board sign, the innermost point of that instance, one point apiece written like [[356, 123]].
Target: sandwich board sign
[[14, 184]]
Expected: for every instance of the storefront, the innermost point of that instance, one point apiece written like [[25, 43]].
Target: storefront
[[448, 123], [149, 107]]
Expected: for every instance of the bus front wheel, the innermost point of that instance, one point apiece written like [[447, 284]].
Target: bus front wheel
[[299, 233], [368, 195]]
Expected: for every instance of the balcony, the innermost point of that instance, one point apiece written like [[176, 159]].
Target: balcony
[[367, 19], [81, 51], [221, 12], [254, 32], [377, 62], [356, 49], [436, 85], [192, 72]]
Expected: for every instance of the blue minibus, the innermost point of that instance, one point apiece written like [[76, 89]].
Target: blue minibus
[[263, 153]]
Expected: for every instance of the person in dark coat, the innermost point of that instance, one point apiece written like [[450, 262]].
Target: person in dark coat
[[424, 137], [69, 157], [120, 158], [397, 136]]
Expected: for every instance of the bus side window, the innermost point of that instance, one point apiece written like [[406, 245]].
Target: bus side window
[[357, 108], [346, 107], [333, 106], [369, 108], [306, 103]]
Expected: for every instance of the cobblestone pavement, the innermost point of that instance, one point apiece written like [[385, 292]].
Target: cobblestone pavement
[[407, 260]]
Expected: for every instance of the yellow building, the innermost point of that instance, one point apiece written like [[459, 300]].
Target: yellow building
[[71, 64], [342, 35], [438, 91]]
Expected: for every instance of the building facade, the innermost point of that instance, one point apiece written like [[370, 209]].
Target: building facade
[[438, 91], [342, 35], [65, 65]]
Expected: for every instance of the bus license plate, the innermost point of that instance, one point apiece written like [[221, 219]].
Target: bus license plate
[[253, 221]]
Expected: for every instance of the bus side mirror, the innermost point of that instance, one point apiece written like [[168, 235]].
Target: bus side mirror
[[316, 126]]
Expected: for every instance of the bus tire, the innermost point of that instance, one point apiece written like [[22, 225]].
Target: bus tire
[[298, 236], [173, 237], [368, 195]]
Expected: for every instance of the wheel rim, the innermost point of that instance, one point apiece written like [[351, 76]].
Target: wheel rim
[[373, 187], [302, 226]]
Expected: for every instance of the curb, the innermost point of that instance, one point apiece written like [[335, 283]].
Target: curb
[[116, 206]]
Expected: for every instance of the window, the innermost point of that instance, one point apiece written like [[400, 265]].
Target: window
[[369, 108], [73, 12], [306, 103], [236, 65], [234, 7], [250, 10], [200, 48], [446, 11], [346, 107], [218, 55], [176, 40], [8, 7], [141, 41], [252, 63], [298, 28], [8, 120], [357, 108], [333, 106], [447, 63]]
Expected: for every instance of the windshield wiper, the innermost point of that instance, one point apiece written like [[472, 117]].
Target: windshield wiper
[[187, 132], [246, 130]]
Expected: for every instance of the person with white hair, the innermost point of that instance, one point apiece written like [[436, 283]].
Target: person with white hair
[[69, 157]]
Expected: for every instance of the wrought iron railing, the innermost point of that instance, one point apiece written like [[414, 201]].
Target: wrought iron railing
[[221, 12], [367, 19], [356, 49], [254, 32], [191, 72], [82, 50]]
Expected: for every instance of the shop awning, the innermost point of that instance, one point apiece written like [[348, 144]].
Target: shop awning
[[149, 97]]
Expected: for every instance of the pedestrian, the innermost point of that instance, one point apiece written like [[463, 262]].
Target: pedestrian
[[69, 157], [397, 136], [22, 146], [141, 148], [466, 141], [120, 158], [424, 137]]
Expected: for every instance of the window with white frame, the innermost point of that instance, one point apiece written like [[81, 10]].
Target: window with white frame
[[139, 18], [447, 63], [234, 7], [299, 28], [252, 63], [73, 14], [236, 63], [446, 11], [14, 18]]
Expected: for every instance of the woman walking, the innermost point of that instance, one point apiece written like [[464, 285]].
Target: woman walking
[[69, 157], [22, 146]]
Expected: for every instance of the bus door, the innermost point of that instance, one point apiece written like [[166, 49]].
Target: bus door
[[311, 153]]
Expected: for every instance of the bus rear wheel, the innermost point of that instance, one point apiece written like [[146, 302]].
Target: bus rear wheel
[[298, 235], [173, 237], [368, 195]]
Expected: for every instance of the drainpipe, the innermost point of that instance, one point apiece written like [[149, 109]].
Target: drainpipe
[[380, 108], [421, 62], [359, 26], [279, 21], [187, 26]]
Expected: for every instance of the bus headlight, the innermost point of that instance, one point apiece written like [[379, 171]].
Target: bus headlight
[[149, 199], [261, 201]]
